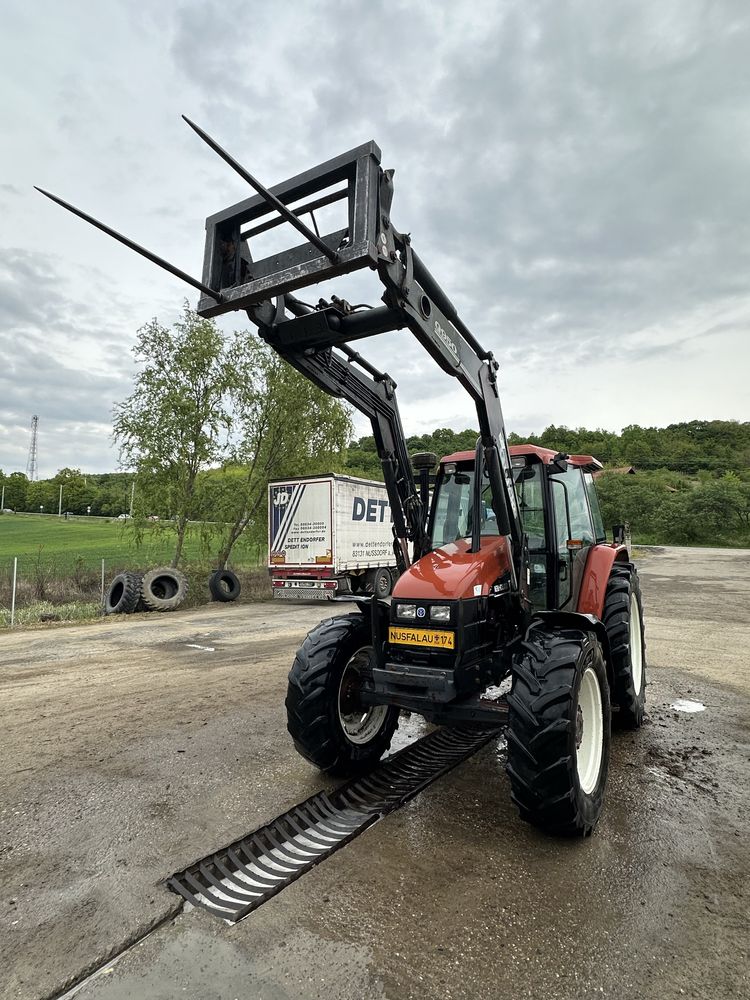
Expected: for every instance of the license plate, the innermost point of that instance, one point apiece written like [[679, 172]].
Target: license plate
[[421, 637]]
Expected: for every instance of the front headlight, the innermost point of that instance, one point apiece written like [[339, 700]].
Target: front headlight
[[406, 611], [440, 613]]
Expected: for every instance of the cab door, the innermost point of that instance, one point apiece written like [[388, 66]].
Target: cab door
[[574, 533]]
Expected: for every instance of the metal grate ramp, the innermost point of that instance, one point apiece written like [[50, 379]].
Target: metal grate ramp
[[238, 879]]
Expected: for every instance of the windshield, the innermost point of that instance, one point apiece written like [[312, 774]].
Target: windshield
[[452, 511]]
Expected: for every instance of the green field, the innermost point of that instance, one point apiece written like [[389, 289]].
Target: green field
[[87, 541]]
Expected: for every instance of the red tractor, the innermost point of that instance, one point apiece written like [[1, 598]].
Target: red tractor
[[450, 633], [506, 579]]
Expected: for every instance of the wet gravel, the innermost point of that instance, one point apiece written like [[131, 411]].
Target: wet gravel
[[127, 753]]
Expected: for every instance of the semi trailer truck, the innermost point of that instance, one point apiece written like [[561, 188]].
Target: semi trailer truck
[[329, 536]]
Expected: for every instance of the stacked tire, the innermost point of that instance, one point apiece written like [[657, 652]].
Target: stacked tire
[[123, 594]]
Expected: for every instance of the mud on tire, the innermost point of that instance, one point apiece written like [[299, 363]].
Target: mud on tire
[[123, 594], [328, 727], [557, 757], [623, 619]]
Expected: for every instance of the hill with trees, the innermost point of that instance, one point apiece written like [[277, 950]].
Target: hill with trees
[[692, 481]]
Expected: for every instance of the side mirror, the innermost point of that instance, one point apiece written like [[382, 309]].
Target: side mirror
[[621, 535]]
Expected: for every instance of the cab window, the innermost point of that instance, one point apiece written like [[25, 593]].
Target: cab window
[[528, 480], [596, 513], [581, 526], [452, 518]]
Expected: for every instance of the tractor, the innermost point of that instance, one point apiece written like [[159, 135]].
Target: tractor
[[511, 607]]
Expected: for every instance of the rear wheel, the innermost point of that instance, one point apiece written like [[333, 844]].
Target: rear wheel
[[559, 731], [623, 619], [329, 725], [379, 582]]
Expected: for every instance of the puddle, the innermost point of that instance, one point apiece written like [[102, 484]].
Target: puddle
[[686, 705]]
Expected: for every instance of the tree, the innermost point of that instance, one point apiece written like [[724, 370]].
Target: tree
[[170, 427], [16, 486], [282, 425], [74, 490]]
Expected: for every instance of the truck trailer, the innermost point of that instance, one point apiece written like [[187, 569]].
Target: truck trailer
[[329, 536]]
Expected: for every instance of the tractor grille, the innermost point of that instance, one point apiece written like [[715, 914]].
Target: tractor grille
[[239, 878]]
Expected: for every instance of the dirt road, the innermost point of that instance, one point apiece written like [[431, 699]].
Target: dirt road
[[132, 747]]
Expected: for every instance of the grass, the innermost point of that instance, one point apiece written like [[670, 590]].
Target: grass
[[60, 564], [87, 541], [44, 611]]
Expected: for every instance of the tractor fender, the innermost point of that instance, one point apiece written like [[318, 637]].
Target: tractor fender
[[596, 575], [578, 620]]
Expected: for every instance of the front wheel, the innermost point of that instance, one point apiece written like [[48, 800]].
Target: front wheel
[[559, 731], [328, 723]]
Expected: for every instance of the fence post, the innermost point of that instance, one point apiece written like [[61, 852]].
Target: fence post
[[13, 595], [102, 597]]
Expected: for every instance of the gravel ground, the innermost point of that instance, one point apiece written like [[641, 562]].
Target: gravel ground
[[132, 747]]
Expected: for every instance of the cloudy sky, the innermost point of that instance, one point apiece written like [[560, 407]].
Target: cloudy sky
[[576, 174]]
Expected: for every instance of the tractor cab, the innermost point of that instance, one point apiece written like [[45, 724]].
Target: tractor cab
[[559, 512]]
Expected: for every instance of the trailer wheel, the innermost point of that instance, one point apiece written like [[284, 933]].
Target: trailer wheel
[[559, 731], [329, 725], [224, 585], [379, 582], [164, 589], [123, 594], [623, 619]]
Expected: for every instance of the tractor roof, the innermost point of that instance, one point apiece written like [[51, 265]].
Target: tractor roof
[[545, 455]]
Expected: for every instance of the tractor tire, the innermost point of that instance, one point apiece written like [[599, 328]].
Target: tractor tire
[[328, 725], [623, 619], [379, 582], [224, 586], [164, 589], [140, 607], [559, 731], [123, 594]]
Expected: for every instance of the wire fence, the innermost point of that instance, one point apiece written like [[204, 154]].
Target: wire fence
[[62, 587]]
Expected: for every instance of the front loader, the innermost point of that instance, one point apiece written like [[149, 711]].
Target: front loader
[[511, 607]]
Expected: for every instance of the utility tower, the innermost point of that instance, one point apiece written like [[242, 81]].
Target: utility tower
[[31, 463]]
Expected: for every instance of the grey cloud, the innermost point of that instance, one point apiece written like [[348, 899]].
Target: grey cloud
[[574, 175]]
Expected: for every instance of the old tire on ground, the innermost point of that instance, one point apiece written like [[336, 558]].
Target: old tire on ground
[[164, 589], [379, 582], [559, 730], [623, 619], [141, 606], [123, 594], [224, 585], [329, 726]]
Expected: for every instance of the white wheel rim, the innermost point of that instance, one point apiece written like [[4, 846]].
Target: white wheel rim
[[359, 723], [589, 731], [636, 644]]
